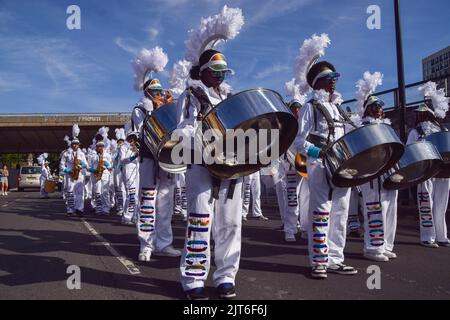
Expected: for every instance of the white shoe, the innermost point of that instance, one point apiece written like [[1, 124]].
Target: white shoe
[[376, 257], [429, 244], [289, 237], [145, 254], [168, 252], [6, 193], [390, 254]]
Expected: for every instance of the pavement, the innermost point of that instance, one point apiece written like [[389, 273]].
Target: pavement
[[38, 244]]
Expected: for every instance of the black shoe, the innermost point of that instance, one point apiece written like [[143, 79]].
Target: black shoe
[[319, 272], [69, 214], [443, 244], [196, 294], [342, 269], [226, 291]]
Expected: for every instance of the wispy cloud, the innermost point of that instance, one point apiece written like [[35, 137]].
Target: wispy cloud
[[126, 46], [274, 8], [153, 33], [276, 68]]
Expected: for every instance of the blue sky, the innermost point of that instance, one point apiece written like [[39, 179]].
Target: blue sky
[[44, 67]]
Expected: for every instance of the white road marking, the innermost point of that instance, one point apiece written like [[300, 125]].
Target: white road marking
[[130, 266]]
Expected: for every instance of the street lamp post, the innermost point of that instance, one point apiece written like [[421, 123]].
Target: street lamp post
[[401, 97]]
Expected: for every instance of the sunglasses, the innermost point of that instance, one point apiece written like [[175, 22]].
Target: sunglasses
[[219, 74], [332, 76]]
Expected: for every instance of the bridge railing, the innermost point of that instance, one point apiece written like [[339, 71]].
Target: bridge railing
[[85, 118]]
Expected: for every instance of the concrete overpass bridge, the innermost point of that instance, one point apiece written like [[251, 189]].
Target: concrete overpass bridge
[[44, 132]]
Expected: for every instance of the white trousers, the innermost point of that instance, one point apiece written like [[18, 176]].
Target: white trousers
[[42, 187], [102, 195], [74, 191], [380, 217], [291, 191], [206, 215], [180, 206], [119, 190], [432, 200], [353, 214], [304, 204], [327, 219], [155, 207], [131, 184], [252, 193]]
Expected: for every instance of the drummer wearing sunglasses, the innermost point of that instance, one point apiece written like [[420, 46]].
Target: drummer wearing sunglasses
[[209, 198], [155, 92], [320, 124]]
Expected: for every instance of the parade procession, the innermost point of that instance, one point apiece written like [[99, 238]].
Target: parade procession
[[188, 173]]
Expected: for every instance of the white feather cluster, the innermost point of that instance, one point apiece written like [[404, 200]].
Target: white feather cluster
[[293, 91], [367, 86], [179, 76], [440, 101], [67, 140], [113, 146], [75, 131], [120, 134], [153, 60], [42, 158], [312, 49], [225, 25]]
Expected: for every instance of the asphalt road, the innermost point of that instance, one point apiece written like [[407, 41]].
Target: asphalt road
[[38, 243]]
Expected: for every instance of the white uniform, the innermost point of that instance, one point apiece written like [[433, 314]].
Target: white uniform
[[380, 213], [353, 215], [289, 186], [180, 206], [432, 196], [74, 189], [252, 192], [118, 183], [45, 174], [328, 205], [207, 214], [101, 187], [130, 173], [155, 205]]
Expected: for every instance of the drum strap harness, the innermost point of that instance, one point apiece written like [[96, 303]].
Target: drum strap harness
[[205, 107]]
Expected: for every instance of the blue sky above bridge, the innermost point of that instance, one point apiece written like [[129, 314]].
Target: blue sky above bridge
[[44, 67]]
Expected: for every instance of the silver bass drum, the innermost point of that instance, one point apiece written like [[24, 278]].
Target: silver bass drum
[[158, 128], [261, 110], [441, 140], [420, 162], [363, 155]]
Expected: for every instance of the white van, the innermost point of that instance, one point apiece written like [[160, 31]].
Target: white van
[[29, 177]]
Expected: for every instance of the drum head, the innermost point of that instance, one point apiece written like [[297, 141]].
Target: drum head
[[367, 165], [412, 175]]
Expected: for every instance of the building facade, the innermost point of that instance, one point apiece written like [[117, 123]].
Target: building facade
[[438, 65]]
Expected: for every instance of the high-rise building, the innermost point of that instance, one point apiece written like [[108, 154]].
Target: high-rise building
[[438, 65]]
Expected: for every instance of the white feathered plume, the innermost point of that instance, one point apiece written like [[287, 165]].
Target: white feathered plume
[[292, 90], [440, 101], [179, 76], [366, 87], [311, 50], [223, 26], [67, 140], [42, 158], [75, 131], [120, 134], [113, 146], [153, 60]]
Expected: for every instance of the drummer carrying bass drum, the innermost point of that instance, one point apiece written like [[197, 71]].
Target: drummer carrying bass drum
[[433, 194], [209, 198], [320, 124]]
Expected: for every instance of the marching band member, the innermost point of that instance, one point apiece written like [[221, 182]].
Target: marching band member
[[119, 186], [72, 162], [212, 203], [154, 200], [45, 174], [379, 204], [129, 162], [320, 124], [252, 191], [433, 194], [100, 166]]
